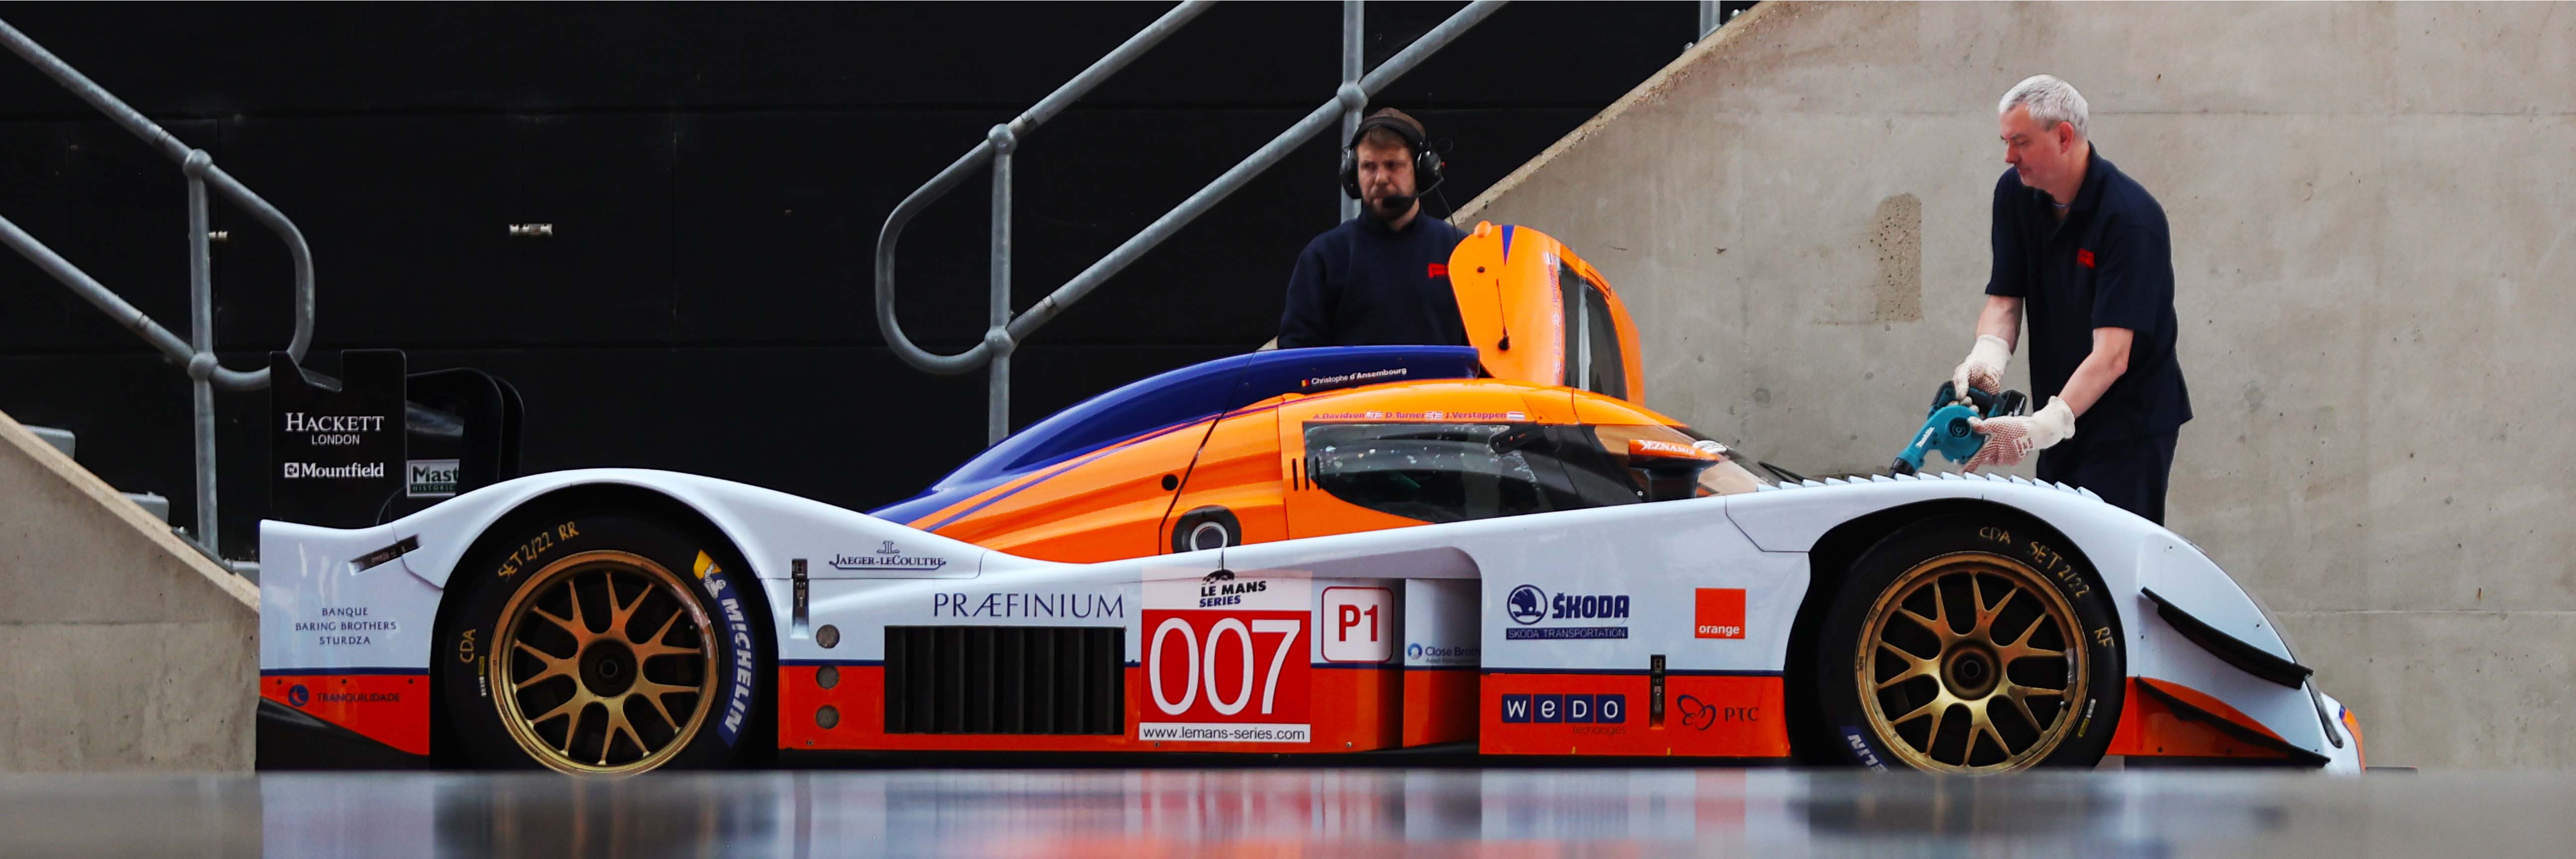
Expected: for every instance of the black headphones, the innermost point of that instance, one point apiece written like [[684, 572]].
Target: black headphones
[[1426, 163]]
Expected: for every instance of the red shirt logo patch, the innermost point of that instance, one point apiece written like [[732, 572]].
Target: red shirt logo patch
[[1439, 269], [2084, 257]]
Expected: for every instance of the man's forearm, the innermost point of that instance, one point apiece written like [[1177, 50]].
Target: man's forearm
[[2109, 359], [2001, 318]]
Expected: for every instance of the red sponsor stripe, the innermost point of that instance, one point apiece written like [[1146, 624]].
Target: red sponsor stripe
[[1439, 705], [392, 709], [1704, 716], [2151, 728], [1353, 711]]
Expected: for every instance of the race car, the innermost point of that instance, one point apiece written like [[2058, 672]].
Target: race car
[[1308, 552]]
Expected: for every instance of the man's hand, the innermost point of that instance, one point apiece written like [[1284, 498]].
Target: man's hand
[[1984, 369], [2010, 440]]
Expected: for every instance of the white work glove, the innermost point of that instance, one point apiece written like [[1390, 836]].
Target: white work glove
[[2010, 440], [1984, 369]]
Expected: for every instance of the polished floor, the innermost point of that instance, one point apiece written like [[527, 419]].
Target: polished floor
[[1135, 815]]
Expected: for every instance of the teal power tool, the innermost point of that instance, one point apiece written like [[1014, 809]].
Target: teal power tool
[[1946, 428]]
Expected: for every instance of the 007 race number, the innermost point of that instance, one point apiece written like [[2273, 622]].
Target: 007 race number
[[1227, 676]]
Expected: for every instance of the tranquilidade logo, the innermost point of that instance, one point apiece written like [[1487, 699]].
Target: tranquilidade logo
[[298, 696]]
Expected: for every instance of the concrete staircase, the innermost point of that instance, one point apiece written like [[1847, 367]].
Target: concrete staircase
[[127, 649]]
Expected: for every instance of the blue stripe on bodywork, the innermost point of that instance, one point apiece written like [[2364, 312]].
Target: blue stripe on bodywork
[[1179, 398], [1507, 243]]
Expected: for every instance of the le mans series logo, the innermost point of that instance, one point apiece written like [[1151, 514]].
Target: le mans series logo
[[1219, 589], [1563, 616]]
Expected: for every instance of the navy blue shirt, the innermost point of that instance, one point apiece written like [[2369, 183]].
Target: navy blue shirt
[[1361, 284], [2108, 264]]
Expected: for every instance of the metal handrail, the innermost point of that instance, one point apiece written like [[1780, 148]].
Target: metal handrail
[[197, 353], [1005, 331]]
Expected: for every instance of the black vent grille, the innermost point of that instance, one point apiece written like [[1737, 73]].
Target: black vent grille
[[1005, 680]]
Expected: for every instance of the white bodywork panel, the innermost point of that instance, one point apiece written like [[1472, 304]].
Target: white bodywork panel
[[1632, 574]]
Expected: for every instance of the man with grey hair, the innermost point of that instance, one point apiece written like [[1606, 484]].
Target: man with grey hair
[[2084, 252]]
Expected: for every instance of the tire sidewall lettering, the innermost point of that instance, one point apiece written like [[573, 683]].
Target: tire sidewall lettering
[[740, 668], [2030, 543], [725, 592]]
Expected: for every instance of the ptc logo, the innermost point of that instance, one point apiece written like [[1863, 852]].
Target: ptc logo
[[297, 696], [1526, 605]]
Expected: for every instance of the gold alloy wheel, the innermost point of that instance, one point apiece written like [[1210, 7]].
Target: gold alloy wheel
[[1969, 663], [603, 664]]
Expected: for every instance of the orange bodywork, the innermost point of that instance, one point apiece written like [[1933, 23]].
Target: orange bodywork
[[2150, 727], [1125, 499], [1114, 504], [1510, 283]]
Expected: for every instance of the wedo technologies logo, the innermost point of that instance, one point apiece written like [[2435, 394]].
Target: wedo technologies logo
[[1528, 606]]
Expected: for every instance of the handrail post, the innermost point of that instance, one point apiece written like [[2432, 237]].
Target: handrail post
[[201, 339], [997, 404], [1353, 26], [1006, 330]]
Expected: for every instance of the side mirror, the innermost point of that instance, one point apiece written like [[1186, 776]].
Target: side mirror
[[1672, 470]]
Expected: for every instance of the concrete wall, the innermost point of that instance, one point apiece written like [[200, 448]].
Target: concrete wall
[[2374, 225], [120, 647]]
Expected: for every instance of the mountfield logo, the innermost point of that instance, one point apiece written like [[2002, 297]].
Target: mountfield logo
[[302, 470]]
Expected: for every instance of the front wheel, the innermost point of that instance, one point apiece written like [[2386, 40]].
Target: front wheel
[[1971, 645], [602, 644]]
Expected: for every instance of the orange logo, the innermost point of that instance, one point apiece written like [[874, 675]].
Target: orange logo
[[1720, 613]]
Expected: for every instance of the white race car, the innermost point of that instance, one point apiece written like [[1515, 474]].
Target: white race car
[[1323, 551]]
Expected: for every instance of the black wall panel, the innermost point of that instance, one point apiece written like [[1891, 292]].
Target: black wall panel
[[716, 176]]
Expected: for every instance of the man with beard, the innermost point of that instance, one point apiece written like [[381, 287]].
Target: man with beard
[[1380, 279]]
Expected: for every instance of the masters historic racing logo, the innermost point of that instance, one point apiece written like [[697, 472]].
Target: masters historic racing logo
[[1531, 607]]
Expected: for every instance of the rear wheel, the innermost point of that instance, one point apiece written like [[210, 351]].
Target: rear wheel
[[1971, 645], [602, 644]]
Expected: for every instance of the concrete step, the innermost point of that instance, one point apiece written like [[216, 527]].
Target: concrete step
[[108, 605], [61, 439], [152, 503]]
